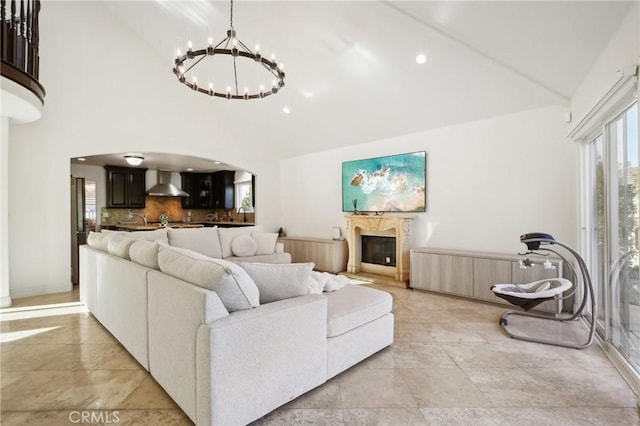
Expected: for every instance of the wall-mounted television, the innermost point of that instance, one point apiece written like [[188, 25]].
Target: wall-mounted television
[[394, 183]]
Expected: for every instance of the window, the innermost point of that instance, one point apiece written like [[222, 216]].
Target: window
[[244, 192], [613, 164]]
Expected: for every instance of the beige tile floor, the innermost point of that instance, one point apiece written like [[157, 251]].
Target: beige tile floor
[[450, 364]]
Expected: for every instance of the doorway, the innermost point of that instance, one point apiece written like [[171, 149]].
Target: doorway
[[83, 219]]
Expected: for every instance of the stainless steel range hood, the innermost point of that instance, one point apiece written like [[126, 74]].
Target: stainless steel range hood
[[164, 187]]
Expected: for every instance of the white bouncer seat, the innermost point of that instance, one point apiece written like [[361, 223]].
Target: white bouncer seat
[[531, 294]]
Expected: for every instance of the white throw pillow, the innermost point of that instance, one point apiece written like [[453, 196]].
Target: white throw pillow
[[119, 245], [279, 281], [228, 234], [155, 235], [266, 242], [201, 240], [145, 253], [244, 246], [99, 240], [233, 285]]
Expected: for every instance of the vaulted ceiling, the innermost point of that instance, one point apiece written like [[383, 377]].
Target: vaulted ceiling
[[352, 75]]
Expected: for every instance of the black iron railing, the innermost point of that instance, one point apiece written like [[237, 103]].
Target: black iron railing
[[19, 39]]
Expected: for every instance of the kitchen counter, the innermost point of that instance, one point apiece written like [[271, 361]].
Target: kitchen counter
[[154, 226], [228, 224]]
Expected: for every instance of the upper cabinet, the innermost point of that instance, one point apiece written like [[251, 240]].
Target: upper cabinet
[[223, 189], [208, 190], [126, 187]]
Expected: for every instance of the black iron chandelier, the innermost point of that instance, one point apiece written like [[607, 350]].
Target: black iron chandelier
[[231, 46]]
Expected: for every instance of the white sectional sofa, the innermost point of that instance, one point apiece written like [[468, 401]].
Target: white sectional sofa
[[229, 342]]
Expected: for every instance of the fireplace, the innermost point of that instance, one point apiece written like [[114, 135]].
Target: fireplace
[[392, 233], [378, 250]]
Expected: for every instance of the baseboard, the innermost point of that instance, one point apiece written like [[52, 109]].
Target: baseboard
[[5, 302], [18, 293]]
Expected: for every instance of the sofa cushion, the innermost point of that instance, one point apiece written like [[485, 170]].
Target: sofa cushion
[[279, 281], [119, 244], [99, 240], [233, 285], [353, 306], [201, 240], [244, 246], [155, 235], [228, 234], [145, 253], [266, 242]]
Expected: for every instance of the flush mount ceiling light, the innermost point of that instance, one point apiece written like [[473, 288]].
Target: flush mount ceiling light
[[134, 160], [185, 67]]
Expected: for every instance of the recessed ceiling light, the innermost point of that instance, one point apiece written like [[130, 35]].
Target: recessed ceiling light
[[82, 159], [421, 59], [286, 110]]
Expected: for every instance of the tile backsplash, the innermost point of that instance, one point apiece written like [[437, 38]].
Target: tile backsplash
[[172, 206]]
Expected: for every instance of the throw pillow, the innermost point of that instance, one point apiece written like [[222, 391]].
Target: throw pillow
[[145, 253], [201, 240], [155, 235], [99, 240], [279, 281], [228, 234], [119, 245], [232, 284], [244, 246], [266, 242]]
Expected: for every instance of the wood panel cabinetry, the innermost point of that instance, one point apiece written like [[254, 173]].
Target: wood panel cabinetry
[[328, 255], [126, 187], [471, 274], [208, 190]]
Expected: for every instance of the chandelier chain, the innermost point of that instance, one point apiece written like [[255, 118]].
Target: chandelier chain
[[231, 15]]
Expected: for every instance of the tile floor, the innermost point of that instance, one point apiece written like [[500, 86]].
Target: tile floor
[[451, 364]]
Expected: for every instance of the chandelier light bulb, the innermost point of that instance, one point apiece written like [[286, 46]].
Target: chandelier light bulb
[[210, 41], [257, 48], [178, 53], [190, 45], [281, 66], [235, 43]]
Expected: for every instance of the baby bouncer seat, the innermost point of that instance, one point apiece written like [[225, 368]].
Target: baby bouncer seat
[[527, 296]]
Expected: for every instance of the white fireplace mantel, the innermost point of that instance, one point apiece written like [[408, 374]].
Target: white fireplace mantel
[[393, 225]]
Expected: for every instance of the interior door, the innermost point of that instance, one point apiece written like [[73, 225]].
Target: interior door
[[78, 225]]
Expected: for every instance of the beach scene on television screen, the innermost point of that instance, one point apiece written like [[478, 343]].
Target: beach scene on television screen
[[395, 183]]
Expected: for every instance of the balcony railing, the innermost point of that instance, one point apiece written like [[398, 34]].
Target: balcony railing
[[19, 40]]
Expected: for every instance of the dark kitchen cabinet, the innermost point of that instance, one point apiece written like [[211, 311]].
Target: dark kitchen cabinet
[[208, 190], [126, 187], [223, 189]]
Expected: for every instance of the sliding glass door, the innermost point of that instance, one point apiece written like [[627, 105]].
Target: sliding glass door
[[614, 240]]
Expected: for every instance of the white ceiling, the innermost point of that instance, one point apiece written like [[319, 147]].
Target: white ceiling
[[351, 70]]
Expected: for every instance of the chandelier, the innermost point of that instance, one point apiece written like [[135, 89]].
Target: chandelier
[[233, 47]]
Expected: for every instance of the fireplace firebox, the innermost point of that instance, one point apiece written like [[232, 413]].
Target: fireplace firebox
[[379, 250]]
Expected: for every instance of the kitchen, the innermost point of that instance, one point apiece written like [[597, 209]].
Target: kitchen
[[108, 192]]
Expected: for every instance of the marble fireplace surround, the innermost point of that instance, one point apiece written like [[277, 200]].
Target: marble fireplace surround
[[387, 225]]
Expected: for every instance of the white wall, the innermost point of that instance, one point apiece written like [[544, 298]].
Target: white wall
[[106, 92], [487, 183], [619, 55], [5, 296]]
